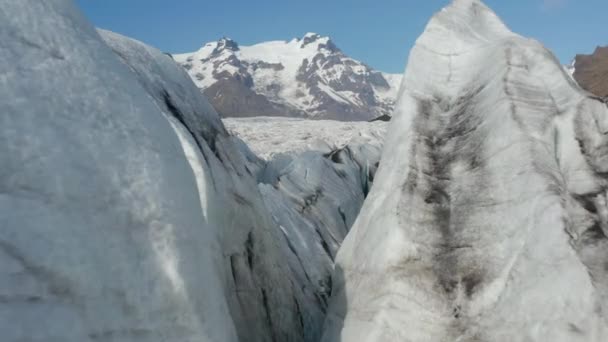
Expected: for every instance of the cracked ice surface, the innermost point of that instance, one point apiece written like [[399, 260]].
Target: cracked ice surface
[[97, 240], [127, 211], [487, 219]]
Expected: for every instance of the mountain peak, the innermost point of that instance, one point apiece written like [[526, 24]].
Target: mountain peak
[[461, 24], [226, 43], [323, 42], [600, 49], [312, 37], [466, 2], [307, 76]]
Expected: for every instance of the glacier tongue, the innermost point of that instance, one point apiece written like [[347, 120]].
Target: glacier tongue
[[308, 77], [488, 217]]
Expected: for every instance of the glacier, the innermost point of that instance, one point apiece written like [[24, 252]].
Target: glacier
[[256, 283], [102, 234], [128, 211], [131, 212], [487, 220], [268, 137]]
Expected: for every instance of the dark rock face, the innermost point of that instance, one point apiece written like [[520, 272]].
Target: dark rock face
[[309, 38], [264, 65], [385, 118], [226, 43], [308, 77], [232, 97], [591, 72]]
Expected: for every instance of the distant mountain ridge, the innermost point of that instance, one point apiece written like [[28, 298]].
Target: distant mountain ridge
[[307, 77], [591, 71]]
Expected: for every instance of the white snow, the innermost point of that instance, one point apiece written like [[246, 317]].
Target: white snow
[[290, 55], [390, 94], [571, 68], [268, 136], [485, 222], [333, 94]]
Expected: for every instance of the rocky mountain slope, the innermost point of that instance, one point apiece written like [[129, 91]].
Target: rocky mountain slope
[[128, 211], [308, 77], [591, 72], [488, 219]]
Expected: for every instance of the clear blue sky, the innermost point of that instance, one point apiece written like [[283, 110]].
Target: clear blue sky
[[377, 32]]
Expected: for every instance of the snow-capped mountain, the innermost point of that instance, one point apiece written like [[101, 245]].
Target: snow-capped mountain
[[308, 77]]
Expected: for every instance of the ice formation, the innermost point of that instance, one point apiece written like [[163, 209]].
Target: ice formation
[[129, 213], [488, 217]]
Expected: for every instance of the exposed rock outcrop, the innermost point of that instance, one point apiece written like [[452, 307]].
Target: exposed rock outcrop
[[591, 72]]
